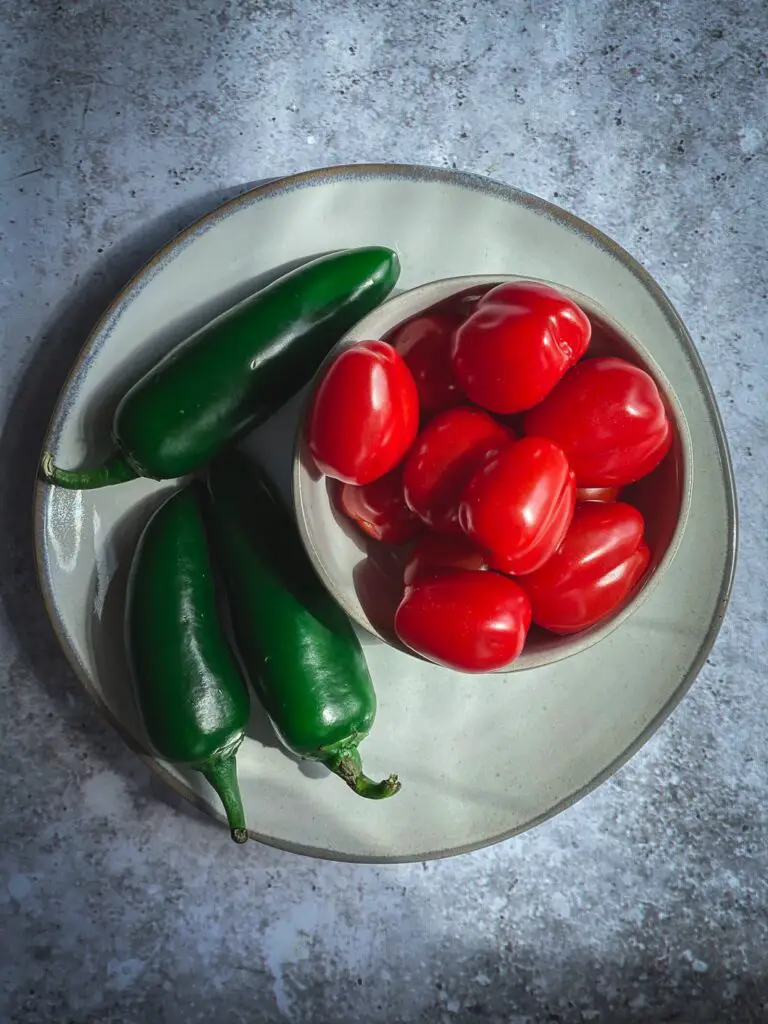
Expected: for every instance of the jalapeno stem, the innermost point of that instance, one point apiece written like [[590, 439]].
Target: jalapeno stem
[[348, 766], [115, 470], [222, 775]]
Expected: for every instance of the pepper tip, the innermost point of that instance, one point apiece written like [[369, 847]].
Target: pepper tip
[[240, 835], [392, 784], [348, 767]]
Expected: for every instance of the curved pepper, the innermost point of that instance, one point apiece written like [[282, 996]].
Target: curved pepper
[[297, 646], [188, 687], [238, 370]]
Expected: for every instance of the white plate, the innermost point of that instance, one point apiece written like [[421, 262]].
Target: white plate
[[480, 758]]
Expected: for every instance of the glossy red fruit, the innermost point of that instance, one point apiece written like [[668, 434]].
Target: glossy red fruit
[[379, 509], [364, 415], [519, 505], [517, 345], [609, 418], [601, 559], [465, 620], [424, 342], [435, 552], [445, 455]]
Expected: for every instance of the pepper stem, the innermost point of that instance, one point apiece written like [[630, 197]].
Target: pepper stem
[[114, 471], [348, 766], [222, 775]]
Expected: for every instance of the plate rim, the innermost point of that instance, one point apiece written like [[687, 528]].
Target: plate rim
[[488, 186]]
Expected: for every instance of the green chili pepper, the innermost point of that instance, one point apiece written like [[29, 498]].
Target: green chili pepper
[[187, 683], [238, 370], [297, 646]]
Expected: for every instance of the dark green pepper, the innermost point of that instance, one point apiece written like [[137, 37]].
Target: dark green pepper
[[238, 370], [187, 683], [297, 646]]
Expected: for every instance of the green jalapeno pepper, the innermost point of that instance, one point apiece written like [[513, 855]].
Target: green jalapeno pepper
[[297, 646], [238, 370], [188, 687]]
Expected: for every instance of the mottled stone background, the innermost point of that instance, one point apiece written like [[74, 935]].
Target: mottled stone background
[[120, 122]]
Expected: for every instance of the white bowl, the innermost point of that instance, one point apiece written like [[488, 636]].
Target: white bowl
[[365, 576]]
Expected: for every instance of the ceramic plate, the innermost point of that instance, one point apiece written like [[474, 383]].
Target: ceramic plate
[[480, 758]]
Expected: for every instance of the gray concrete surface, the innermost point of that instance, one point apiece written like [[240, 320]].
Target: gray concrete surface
[[120, 122]]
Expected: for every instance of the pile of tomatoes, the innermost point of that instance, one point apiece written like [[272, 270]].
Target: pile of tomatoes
[[479, 434]]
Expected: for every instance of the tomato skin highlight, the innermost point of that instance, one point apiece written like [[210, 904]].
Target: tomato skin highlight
[[379, 508], [425, 342], [465, 620], [601, 559], [516, 346], [446, 453], [609, 418], [364, 415], [519, 505], [436, 552]]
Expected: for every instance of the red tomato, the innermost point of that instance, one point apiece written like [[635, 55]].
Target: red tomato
[[601, 559], [519, 504], [365, 414], [517, 345], [425, 344], [379, 508], [608, 417], [446, 454], [470, 621], [436, 552], [603, 494]]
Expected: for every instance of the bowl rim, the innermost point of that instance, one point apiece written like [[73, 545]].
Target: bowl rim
[[433, 292]]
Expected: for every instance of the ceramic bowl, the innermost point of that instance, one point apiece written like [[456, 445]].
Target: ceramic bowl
[[365, 576]]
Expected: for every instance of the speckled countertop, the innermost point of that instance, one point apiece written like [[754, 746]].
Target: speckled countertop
[[648, 900]]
